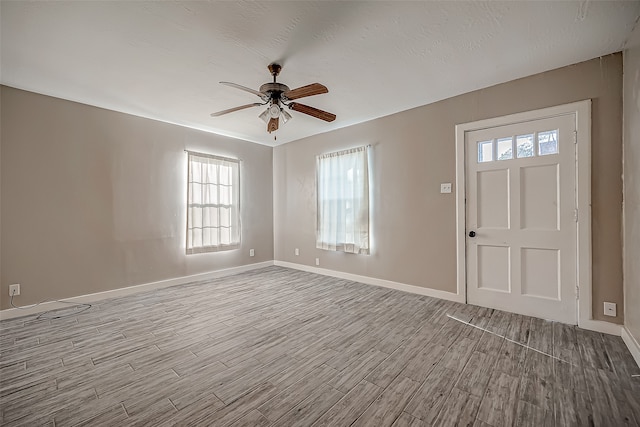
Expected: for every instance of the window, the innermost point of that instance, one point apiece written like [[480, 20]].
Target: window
[[525, 146], [343, 201], [548, 142], [213, 203], [485, 151]]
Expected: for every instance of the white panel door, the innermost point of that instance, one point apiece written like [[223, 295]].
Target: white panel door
[[521, 218]]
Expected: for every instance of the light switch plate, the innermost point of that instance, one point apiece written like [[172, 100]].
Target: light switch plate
[[610, 309], [445, 187]]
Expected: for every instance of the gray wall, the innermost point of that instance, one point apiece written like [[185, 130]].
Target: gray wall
[[632, 183], [94, 200], [413, 225]]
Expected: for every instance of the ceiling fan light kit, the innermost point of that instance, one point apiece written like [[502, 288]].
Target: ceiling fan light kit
[[276, 95]]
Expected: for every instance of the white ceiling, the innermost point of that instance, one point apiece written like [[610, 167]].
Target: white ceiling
[[163, 60]]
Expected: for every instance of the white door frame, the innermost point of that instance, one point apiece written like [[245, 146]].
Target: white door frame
[[582, 112]]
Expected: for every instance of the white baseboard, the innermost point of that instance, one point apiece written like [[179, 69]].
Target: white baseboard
[[114, 293], [374, 281], [592, 325], [632, 344], [600, 326]]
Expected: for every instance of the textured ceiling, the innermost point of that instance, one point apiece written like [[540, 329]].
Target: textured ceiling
[[163, 60]]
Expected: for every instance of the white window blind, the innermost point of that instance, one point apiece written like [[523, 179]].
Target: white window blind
[[343, 201], [213, 203]]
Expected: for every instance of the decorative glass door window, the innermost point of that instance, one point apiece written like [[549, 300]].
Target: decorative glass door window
[[528, 145]]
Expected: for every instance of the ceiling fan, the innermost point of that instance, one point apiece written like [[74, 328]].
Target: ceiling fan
[[277, 96]]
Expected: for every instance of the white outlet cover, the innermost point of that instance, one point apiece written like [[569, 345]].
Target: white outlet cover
[[445, 187], [610, 309], [317, 261], [252, 252], [297, 251]]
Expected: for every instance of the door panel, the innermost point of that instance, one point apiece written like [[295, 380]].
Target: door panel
[[539, 210], [493, 189], [493, 268], [520, 203], [540, 268]]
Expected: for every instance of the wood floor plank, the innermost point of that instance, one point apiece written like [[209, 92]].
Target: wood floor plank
[[539, 366], [159, 411], [490, 344], [519, 328], [476, 374], [537, 391], [592, 350], [111, 417], [204, 385], [607, 408], [458, 354], [350, 407], [406, 420], [283, 402], [541, 336], [201, 412], [428, 400], [234, 389], [102, 409], [634, 404], [388, 406], [300, 368], [33, 411], [570, 376], [312, 408], [511, 358], [252, 419], [529, 415], [460, 409], [389, 369], [358, 370], [420, 366], [572, 408], [623, 363], [499, 404]]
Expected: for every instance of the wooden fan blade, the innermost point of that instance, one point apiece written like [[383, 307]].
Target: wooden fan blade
[[246, 89], [273, 124], [231, 110], [308, 90], [305, 109]]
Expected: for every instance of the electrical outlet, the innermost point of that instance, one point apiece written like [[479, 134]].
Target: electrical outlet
[[610, 309], [252, 252], [14, 289], [297, 251], [317, 261]]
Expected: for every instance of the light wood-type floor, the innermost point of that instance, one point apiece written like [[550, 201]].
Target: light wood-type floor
[[279, 347]]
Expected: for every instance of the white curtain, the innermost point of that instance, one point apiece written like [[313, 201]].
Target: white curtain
[[213, 208], [343, 201]]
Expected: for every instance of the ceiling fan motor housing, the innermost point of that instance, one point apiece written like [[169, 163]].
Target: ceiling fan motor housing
[[274, 90]]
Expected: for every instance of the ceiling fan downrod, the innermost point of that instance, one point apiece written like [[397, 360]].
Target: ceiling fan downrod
[[274, 69]]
